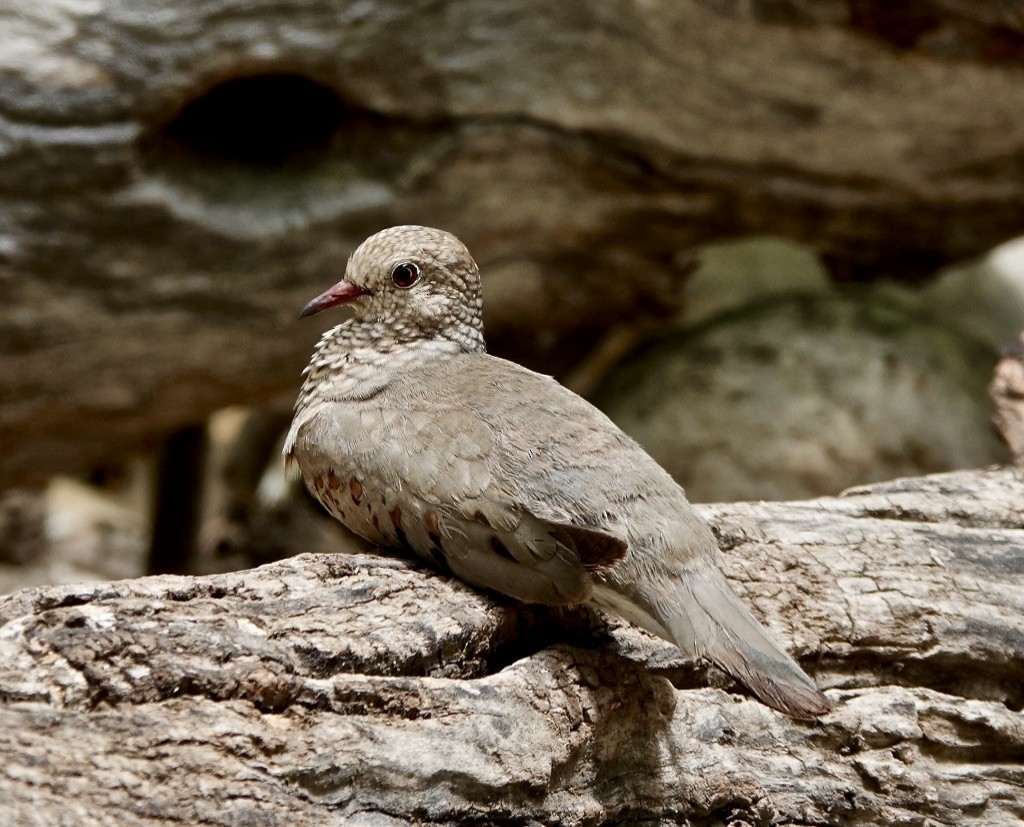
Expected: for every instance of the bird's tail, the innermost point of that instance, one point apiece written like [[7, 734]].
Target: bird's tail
[[698, 611]]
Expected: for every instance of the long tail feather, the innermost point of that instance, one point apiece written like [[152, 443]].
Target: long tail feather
[[698, 611], [722, 629]]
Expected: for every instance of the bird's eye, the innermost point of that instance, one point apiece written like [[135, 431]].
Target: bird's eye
[[405, 274]]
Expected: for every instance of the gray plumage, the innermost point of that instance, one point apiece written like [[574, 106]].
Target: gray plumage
[[409, 433]]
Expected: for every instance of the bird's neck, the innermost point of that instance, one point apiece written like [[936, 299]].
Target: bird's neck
[[386, 337], [356, 359]]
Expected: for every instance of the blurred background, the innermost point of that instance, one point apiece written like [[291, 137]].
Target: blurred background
[[777, 241]]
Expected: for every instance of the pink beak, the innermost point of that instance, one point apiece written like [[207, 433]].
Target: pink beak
[[344, 292]]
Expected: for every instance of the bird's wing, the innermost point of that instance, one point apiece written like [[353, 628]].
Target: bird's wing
[[563, 459], [430, 462], [502, 546]]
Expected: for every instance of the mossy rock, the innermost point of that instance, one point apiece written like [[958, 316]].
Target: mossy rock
[[806, 395]]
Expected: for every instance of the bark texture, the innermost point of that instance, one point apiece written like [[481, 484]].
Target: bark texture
[[180, 177], [365, 690]]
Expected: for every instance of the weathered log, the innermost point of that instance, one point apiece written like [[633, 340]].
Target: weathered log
[[361, 689], [179, 177]]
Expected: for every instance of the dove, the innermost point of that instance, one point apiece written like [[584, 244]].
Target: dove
[[414, 437]]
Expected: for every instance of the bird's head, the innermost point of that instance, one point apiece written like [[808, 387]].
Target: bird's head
[[412, 282]]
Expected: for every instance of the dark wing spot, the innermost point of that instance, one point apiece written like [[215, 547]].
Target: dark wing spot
[[356, 489], [396, 516], [437, 555], [434, 536], [480, 517], [596, 549], [403, 541], [333, 481], [499, 547]]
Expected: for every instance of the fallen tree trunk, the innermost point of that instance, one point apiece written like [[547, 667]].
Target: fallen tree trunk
[[179, 178], [360, 689]]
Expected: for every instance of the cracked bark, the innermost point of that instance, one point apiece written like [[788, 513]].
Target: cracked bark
[[362, 689], [151, 270]]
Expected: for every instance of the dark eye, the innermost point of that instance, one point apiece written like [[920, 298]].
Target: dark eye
[[405, 274]]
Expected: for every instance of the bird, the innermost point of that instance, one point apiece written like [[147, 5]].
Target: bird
[[414, 437]]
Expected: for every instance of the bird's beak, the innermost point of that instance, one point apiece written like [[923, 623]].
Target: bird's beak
[[344, 292]]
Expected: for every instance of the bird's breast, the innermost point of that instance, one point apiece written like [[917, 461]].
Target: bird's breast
[[347, 497]]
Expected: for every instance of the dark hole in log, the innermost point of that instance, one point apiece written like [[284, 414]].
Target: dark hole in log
[[260, 120], [910, 25], [901, 24]]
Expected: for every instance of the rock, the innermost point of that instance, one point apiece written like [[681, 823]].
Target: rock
[[985, 299], [1007, 390], [22, 526], [76, 532], [806, 395], [736, 274]]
